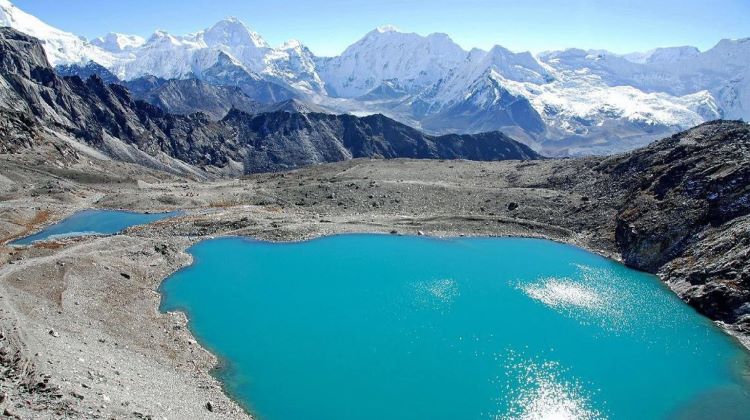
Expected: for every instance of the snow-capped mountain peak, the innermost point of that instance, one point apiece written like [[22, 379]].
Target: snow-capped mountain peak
[[663, 55], [413, 60], [61, 47], [587, 97], [294, 64], [117, 43], [292, 44], [673, 54], [386, 28], [522, 67], [161, 38], [727, 42], [232, 33]]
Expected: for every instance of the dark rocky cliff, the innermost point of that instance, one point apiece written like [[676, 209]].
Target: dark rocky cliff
[[188, 96], [84, 71], [685, 214], [284, 140]]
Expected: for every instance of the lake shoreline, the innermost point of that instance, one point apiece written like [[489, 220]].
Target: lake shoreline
[[330, 239], [144, 237], [220, 364], [83, 302]]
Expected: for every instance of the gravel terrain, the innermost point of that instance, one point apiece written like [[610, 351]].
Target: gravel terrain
[[81, 333]]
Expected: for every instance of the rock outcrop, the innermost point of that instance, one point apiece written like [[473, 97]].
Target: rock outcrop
[[686, 216], [84, 71]]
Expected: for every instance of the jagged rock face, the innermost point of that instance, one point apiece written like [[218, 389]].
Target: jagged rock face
[[18, 132], [142, 86], [29, 83], [22, 54], [714, 275], [85, 71], [399, 140], [284, 140], [188, 96], [109, 118], [686, 215], [228, 72], [293, 106], [704, 176]]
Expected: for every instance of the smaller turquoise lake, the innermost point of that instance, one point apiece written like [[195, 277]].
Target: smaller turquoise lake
[[93, 222], [390, 327]]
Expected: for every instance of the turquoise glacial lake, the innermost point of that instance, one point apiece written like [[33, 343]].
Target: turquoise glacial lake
[[390, 327], [93, 222]]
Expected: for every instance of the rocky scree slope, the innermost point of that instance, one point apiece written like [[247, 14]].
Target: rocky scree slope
[[108, 118]]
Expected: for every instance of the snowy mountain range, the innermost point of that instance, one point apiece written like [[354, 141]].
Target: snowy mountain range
[[561, 102]]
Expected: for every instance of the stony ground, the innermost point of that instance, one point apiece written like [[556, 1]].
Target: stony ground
[[81, 333]]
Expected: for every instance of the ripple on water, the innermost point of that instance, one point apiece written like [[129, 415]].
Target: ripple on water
[[436, 294], [592, 295], [539, 390], [561, 293], [444, 290]]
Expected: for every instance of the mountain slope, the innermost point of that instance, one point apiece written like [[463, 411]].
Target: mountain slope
[[62, 47], [487, 106], [283, 140], [108, 118], [561, 102], [294, 106], [227, 71], [722, 71], [84, 71], [188, 96]]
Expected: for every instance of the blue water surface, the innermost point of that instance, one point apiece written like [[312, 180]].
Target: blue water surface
[[378, 326], [94, 222]]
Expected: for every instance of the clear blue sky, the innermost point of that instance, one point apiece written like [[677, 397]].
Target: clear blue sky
[[327, 27]]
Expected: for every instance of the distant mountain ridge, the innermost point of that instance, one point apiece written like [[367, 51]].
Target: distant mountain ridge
[[188, 96], [562, 102], [108, 118]]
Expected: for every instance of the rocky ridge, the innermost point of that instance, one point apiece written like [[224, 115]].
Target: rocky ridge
[[190, 96]]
